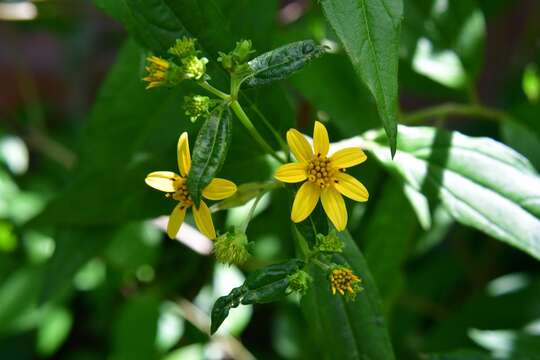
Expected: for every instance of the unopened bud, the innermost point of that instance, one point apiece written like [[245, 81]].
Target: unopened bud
[[299, 282], [183, 48], [196, 106], [232, 248], [330, 242]]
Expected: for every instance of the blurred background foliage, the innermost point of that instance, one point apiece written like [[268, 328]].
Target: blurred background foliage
[[85, 269]]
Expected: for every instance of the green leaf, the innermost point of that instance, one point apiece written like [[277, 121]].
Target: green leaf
[[280, 63], [223, 305], [392, 210], [370, 33], [350, 329], [264, 285], [481, 182], [209, 152]]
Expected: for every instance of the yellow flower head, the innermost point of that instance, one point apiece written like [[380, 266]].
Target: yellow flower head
[[323, 176], [344, 281], [158, 69], [176, 188]]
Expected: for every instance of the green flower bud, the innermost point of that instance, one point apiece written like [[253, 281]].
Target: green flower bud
[[196, 106], [299, 282], [329, 243], [232, 248], [237, 57], [194, 67], [184, 47], [242, 51]]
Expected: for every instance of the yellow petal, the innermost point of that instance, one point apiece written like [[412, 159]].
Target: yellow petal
[[299, 145], [350, 187], [219, 189], [161, 180], [291, 173], [203, 220], [334, 206], [320, 139], [175, 220], [184, 157], [348, 157], [305, 201]]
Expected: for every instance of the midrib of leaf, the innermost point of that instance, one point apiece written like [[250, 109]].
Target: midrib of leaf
[[351, 328], [374, 55], [468, 204]]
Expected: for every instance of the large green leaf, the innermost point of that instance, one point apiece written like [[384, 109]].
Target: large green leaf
[[370, 31], [481, 182], [392, 211], [347, 329], [209, 152]]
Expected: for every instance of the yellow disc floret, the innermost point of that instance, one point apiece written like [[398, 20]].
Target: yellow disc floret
[[344, 281], [320, 171]]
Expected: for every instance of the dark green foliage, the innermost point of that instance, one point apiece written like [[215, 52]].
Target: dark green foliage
[[282, 62], [209, 151]]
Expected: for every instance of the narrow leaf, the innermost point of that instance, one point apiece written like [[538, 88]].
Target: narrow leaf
[[223, 305], [264, 285], [283, 62], [350, 329], [370, 33], [481, 182], [209, 152]]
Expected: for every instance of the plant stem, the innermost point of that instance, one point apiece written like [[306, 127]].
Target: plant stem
[[244, 119], [277, 136], [205, 85], [252, 211], [456, 109]]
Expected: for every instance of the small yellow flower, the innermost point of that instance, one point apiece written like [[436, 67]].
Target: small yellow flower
[[323, 176], [157, 71], [344, 281], [176, 187]]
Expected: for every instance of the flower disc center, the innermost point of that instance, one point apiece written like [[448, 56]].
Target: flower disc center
[[320, 171], [181, 194]]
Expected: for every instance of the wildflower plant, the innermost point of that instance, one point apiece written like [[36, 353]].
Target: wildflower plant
[[321, 173], [291, 166]]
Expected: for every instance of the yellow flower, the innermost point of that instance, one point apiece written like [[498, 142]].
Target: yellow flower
[[176, 187], [157, 71], [323, 176]]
